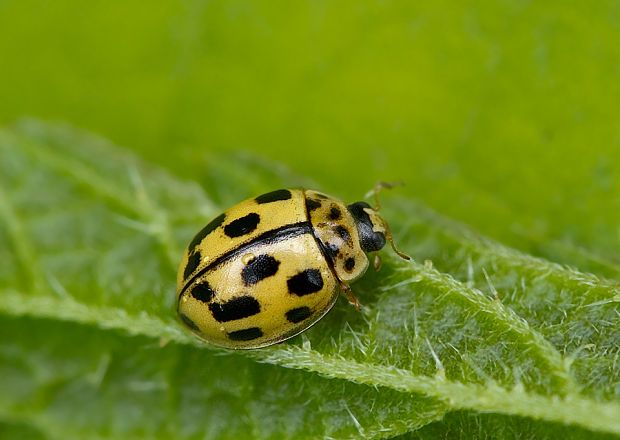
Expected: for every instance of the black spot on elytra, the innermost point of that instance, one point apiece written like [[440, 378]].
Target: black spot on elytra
[[247, 334], [306, 282], [242, 226], [213, 224], [192, 264], [312, 204], [274, 196], [236, 308], [259, 268], [188, 322], [343, 233], [334, 213], [349, 264], [299, 314], [202, 292]]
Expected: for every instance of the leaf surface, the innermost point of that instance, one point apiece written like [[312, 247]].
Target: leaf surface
[[93, 238]]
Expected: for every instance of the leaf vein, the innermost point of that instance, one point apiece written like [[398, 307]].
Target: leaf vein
[[570, 409]]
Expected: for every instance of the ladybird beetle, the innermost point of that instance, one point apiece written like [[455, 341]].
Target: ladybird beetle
[[270, 267]]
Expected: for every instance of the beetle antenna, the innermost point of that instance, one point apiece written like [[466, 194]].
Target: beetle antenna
[[390, 238], [380, 186]]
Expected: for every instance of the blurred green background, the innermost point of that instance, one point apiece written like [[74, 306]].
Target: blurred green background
[[503, 114]]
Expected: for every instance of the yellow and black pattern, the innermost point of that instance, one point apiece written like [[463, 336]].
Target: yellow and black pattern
[[334, 226], [241, 224], [268, 292]]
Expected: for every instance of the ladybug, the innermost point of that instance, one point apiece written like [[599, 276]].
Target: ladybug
[[270, 267]]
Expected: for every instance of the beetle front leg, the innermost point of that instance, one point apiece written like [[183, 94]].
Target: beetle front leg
[[346, 289]]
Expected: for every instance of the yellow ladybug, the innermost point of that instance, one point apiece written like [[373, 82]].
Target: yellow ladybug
[[270, 267]]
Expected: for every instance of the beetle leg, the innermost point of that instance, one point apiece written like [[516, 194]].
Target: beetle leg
[[346, 289], [376, 263]]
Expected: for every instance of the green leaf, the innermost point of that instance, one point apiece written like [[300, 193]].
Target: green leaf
[[93, 238], [134, 387]]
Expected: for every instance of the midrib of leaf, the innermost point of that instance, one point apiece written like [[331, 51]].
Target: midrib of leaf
[[490, 397], [179, 382]]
